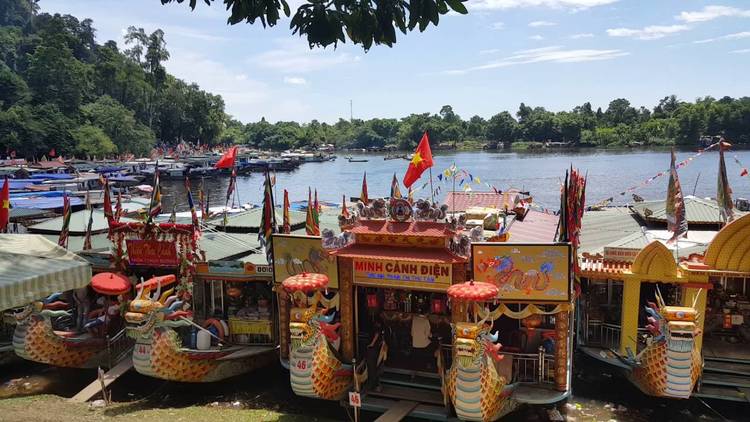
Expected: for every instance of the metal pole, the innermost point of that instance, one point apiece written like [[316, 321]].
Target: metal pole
[[432, 190], [453, 175]]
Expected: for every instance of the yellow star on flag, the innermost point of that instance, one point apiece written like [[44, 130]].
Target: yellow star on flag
[[6, 204], [416, 159]]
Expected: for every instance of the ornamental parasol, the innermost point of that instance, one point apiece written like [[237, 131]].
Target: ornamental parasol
[[111, 284], [305, 282], [473, 291]]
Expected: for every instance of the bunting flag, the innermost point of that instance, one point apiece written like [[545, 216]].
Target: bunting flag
[[395, 190], [723, 191], [268, 220], [744, 171], [107, 202], [191, 204], [316, 211], [344, 209], [154, 207], [232, 182], [5, 205], [675, 207], [63, 239], [286, 226], [118, 207], [202, 201], [227, 160], [363, 197], [90, 209], [421, 161], [310, 227]]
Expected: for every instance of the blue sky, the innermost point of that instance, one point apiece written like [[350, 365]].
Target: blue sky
[[551, 53]]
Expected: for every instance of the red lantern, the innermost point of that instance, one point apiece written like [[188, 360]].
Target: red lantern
[[438, 306], [372, 301]]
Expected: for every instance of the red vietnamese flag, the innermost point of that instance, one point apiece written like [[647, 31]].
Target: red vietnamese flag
[[421, 161], [227, 160], [52, 152], [4, 205]]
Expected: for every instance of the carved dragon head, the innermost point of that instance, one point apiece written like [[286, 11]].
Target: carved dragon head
[[152, 307], [675, 325], [50, 307], [308, 326], [472, 341]]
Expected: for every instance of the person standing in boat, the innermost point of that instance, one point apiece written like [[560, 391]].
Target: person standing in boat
[[421, 337], [374, 349]]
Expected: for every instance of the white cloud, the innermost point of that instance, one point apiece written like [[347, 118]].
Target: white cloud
[[537, 24], [552, 54], [489, 51], [555, 4], [735, 36], [294, 57], [742, 51], [652, 32], [582, 35], [295, 80], [710, 13], [498, 25], [536, 37]]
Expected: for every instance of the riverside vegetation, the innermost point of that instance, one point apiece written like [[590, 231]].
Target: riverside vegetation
[[60, 89]]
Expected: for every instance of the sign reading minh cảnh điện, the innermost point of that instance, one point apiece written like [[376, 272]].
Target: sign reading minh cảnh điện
[[402, 273]]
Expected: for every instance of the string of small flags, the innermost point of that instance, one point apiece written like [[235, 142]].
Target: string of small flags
[[651, 179], [743, 172]]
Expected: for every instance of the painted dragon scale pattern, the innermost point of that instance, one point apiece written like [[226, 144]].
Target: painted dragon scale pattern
[[314, 369], [476, 390]]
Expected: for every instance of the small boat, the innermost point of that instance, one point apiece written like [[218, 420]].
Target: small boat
[[358, 160]]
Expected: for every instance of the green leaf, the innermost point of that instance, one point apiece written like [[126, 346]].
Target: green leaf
[[457, 6], [285, 5]]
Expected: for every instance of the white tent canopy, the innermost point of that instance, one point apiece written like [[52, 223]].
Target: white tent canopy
[[32, 267]]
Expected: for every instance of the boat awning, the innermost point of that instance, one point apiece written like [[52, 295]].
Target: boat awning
[[436, 255], [32, 267]]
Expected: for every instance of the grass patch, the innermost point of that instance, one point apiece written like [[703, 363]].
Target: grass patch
[[49, 408]]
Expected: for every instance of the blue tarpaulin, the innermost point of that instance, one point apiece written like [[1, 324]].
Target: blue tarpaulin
[[51, 176], [43, 202]]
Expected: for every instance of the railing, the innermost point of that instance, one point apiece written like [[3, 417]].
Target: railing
[[118, 346], [537, 368], [606, 335]]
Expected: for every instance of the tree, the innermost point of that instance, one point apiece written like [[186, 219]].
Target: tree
[[13, 88], [92, 141], [120, 125], [502, 127], [55, 75], [326, 23], [620, 111]]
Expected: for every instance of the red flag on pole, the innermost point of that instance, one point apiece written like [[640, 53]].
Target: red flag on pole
[[675, 207], [363, 195], [52, 153], [227, 160], [4, 205], [344, 209], [421, 161]]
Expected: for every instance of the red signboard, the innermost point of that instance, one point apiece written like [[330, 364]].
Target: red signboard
[[152, 253]]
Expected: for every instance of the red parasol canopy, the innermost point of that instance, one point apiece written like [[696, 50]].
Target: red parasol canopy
[[111, 284], [477, 291], [153, 282], [305, 282]]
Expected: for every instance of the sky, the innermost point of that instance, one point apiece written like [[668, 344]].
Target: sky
[[552, 53]]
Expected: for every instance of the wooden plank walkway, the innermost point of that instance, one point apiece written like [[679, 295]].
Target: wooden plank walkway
[[398, 412], [109, 377]]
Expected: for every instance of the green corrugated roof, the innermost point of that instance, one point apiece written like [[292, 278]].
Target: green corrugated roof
[[600, 228], [222, 245], [250, 219], [697, 210], [78, 222], [637, 240], [75, 243]]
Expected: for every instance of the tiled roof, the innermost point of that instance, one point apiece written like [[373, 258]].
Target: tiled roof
[[439, 255], [596, 266], [697, 210], [463, 200], [535, 227], [413, 228]]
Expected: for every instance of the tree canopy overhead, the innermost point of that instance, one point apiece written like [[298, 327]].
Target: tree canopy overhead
[[326, 22]]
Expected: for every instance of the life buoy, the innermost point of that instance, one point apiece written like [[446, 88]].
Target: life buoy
[[222, 329]]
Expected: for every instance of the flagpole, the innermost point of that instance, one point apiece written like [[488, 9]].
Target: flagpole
[[432, 189], [453, 175]]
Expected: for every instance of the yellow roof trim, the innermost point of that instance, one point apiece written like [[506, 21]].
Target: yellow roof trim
[[655, 260], [730, 249]]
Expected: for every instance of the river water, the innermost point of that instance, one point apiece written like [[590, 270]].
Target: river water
[[609, 173]]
